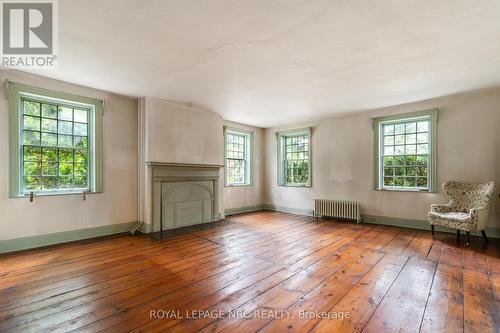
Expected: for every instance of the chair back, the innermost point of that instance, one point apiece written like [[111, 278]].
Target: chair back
[[464, 196]]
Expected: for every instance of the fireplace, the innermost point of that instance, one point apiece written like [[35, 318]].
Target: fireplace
[[184, 194]]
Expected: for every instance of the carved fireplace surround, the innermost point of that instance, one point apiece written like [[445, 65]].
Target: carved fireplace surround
[[184, 194]]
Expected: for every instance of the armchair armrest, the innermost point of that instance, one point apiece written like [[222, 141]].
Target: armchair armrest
[[481, 214], [441, 208]]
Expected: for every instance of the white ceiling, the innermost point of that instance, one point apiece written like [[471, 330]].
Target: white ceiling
[[269, 62]]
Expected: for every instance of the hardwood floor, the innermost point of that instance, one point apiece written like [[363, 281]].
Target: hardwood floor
[[263, 271]]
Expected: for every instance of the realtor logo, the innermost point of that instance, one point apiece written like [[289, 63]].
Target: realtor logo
[[29, 33]]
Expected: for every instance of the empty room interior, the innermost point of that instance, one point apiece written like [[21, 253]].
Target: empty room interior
[[250, 166]]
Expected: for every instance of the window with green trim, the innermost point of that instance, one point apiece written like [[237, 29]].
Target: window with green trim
[[294, 165], [406, 152], [55, 143], [238, 154]]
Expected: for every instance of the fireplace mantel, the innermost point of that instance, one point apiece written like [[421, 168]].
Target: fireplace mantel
[[165, 174]]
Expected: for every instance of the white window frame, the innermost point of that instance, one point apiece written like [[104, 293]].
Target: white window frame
[[18, 92], [378, 124], [281, 137], [248, 144]]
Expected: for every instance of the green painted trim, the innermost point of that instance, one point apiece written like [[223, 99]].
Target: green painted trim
[[280, 158], [298, 211], [433, 115], [15, 90], [232, 211], [249, 161], [419, 224], [32, 242]]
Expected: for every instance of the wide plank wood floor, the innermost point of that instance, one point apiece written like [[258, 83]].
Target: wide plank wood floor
[[263, 271]]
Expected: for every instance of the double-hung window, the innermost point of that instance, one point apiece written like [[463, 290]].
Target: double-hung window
[[55, 142], [294, 158], [238, 157], [405, 151]]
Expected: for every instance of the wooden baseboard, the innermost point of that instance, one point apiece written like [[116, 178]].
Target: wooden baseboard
[[24, 243]]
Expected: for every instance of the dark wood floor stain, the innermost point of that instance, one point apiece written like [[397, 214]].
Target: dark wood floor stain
[[262, 271]]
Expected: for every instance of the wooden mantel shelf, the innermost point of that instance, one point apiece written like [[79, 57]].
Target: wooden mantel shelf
[[191, 165]]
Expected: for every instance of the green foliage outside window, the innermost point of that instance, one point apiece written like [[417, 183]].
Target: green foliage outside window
[[55, 152]]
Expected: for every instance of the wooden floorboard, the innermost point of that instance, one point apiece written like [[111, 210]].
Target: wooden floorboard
[[256, 272]]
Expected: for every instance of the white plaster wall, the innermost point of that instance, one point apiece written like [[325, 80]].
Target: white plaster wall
[[180, 134], [248, 196], [117, 204], [175, 133], [468, 143]]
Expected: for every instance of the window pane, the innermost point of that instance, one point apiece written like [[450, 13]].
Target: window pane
[[66, 155], [31, 138], [49, 154], [49, 125], [66, 181], [80, 141], [388, 161], [81, 156], [65, 140], [389, 140], [389, 150], [32, 153], [65, 127], [423, 126], [80, 115], [81, 182], [31, 183], [399, 140], [32, 168], [49, 183], [422, 149], [411, 127], [32, 108], [49, 139], [66, 169], [388, 129], [81, 129], [49, 111], [50, 168], [65, 113], [399, 128], [80, 169], [32, 123]]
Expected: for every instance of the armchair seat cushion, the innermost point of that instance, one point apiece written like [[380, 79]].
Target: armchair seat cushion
[[454, 220], [452, 217]]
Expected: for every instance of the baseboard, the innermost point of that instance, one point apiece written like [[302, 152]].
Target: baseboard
[[298, 211], [419, 224], [32, 242], [239, 210]]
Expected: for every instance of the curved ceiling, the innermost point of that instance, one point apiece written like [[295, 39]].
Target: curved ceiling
[[268, 62]]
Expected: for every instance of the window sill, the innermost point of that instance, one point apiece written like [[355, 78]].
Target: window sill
[[295, 185], [238, 185], [404, 190], [54, 194]]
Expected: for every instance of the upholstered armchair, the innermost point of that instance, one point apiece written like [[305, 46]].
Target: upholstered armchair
[[468, 209]]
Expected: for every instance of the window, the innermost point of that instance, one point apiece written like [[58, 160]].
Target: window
[[294, 162], [55, 142], [238, 157], [405, 153]]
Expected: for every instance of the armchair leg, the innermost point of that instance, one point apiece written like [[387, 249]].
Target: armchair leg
[[458, 236], [432, 230], [468, 238], [484, 236]]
